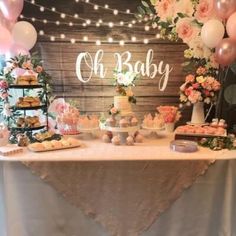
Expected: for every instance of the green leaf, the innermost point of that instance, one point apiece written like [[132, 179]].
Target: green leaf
[[145, 4], [141, 10], [181, 15]]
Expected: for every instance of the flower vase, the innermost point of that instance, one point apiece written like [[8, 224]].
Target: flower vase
[[198, 116], [169, 127]]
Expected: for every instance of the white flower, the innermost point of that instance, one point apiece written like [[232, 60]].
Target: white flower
[[7, 110], [6, 69], [207, 100], [126, 79]]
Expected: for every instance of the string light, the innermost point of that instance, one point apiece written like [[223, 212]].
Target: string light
[[85, 38], [106, 6], [98, 42], [110, 40], [147, 27], [122, 42], [77, 17]]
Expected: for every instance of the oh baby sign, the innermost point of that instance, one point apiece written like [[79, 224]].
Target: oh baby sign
[[147, 68]]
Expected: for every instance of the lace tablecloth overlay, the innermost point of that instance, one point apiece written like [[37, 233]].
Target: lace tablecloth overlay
[[125, 197]]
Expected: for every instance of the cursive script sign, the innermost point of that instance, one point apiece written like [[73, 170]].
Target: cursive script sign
[[123, 62]]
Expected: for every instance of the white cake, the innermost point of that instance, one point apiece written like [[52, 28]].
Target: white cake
[[122, 104]]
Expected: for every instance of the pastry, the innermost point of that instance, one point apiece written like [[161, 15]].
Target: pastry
[[65, 143], [106, 138], [116, 140], [56, 144], [111, 122], [123, 123], [138, 138], [134, 121], [130, 141], [37, 146], [47, 144]]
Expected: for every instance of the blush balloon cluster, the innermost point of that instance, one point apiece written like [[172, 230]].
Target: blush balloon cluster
[[220, 33], [15, 37]]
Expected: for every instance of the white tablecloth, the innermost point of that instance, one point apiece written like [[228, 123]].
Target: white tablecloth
[[33, 208]]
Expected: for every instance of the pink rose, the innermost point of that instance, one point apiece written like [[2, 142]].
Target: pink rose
[[165, 9], [186, 30], [195, 96], [113, 110], [216, 85], [3, 84], [4, 95], [205, 10], [39, 69], [196, 85], [188, 91], [27, 65], [190, 79]]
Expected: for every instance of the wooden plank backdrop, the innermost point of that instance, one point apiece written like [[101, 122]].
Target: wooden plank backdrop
[[97, 95]]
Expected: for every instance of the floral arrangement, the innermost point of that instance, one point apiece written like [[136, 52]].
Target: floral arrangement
[[4, 99], [199, 87], [183, 20], [123, 81], [31, 64], [19, 65], [170, 114], [219, 143]]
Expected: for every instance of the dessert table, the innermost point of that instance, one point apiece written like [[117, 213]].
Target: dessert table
[[95, 150], [101, 189]]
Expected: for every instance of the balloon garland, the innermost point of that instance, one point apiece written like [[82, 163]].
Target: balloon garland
[[16, 37]]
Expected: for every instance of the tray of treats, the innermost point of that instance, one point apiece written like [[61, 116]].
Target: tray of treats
[[54, 145], [155, 123], [46, 136], [197, 132], [28, 122], [29, 79], [28, 102]]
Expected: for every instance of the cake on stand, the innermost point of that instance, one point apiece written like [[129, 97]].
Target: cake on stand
[[122, 126]]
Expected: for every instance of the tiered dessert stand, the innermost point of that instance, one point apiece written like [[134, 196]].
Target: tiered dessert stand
[[25, 110]]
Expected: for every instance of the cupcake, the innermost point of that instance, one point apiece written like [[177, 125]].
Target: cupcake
[[139, 138], [123, 123], [130, 141], [111, 122], [106, 138], [116, 140], [134, 121]]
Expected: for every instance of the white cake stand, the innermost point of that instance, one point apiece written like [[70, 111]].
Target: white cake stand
[[122, 132], [89, 132]]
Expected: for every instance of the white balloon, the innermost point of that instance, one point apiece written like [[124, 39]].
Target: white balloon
[[24, 34], [212, 33]]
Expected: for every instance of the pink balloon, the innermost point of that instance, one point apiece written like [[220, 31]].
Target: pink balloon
[[224, 8], [5, 39], [15, 50], [6, 23], [231, 26], [226, 52], [11, 9]]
